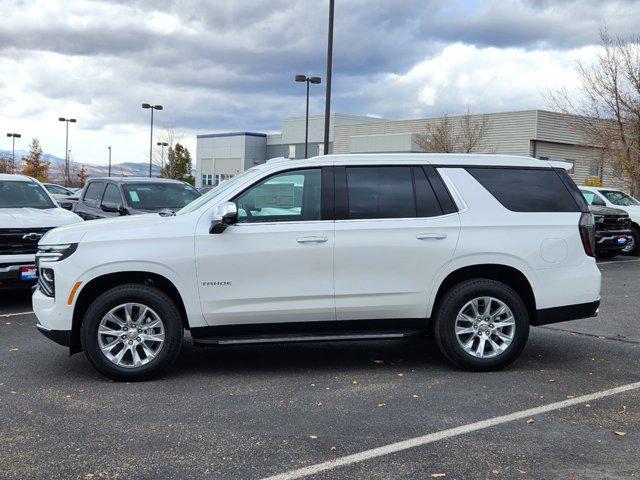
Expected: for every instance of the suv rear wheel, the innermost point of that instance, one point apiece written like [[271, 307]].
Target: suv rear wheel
[[481, 325], [132, 332]]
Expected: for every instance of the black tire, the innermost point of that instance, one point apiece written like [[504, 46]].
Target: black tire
[[135, 293], [451, 304], [635, 233]]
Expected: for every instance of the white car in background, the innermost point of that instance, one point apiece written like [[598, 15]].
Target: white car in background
[[58, 191], [27, 212], [611, 197]]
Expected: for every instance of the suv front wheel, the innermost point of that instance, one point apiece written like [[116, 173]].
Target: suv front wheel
[[132, 332], [481, 325]]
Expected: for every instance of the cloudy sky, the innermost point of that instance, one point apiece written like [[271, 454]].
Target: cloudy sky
[[225, 65]]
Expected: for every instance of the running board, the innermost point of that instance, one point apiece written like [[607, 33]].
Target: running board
[[306, 337]]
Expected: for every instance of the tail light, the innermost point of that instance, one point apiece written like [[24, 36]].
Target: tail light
[[587, 233]]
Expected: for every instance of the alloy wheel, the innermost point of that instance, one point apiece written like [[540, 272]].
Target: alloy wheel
[[485, 327], [131, 335]]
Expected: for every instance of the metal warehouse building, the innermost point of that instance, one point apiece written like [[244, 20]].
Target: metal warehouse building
[[536, 133]]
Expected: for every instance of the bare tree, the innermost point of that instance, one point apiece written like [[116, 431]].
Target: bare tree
[[464, 134], [608, 114]]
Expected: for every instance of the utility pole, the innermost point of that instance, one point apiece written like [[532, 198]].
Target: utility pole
[[327, 108], [109, 147]]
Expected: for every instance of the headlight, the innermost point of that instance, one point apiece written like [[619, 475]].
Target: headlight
[[54, 253]]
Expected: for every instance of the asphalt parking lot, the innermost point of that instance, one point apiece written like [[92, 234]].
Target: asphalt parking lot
[[257, 411]]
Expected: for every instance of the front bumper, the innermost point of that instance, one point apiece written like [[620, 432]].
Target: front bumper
[[17, 274], [565, 313], [61, 337], [611, 240]]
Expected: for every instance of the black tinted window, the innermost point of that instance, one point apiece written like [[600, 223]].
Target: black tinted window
[[526, 190], [112, 195], [156, 196], [93, 194], [380, 192], [23, 194], [426, 202]]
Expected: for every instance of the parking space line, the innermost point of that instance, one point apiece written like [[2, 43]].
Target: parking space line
[[444, 434], [593, 335], [618, 261], [4, 315]]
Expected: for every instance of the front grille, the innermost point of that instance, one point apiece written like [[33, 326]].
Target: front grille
[[12, 241], [615, 223]]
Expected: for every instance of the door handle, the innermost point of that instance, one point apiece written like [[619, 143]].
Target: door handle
[[431, 236], [311, 239]]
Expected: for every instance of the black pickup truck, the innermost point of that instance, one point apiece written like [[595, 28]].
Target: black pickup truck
[[613, 228]]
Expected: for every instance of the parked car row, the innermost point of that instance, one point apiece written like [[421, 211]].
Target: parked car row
[[29, 209]]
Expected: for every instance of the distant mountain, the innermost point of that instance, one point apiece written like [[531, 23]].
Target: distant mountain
[[127, 169]]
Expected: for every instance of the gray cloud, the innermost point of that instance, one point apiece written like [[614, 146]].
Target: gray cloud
[[229, 64]]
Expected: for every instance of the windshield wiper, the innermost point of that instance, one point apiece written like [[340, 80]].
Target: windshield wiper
[[167, 212]]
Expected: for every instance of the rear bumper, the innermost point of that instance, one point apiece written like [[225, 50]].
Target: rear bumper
[[61, 337], [565, 313]]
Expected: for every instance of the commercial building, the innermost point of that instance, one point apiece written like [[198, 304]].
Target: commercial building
[[536, 133]]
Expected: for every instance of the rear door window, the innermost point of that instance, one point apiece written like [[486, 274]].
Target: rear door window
[[380, 192], [526, 190]]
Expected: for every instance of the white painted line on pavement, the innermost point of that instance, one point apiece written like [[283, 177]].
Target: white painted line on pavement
[[618, 261], [4, 315], [443, 434]]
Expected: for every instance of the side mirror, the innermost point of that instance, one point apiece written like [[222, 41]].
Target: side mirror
[[113, 208], [226, 214]]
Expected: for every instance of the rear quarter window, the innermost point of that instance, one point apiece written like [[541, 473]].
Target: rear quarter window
[[526, 190]]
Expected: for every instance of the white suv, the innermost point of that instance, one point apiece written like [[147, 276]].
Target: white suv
[[27, 212], [474, 248]]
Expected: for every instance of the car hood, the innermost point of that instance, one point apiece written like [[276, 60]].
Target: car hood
[[117, 227], [598, 210], [36, 217]]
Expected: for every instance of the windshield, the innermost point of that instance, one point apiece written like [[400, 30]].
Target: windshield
[[16, 194], [619, 198], [222, 187], [157, 196]]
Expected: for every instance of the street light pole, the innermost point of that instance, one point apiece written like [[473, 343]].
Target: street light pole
[[109, 147], [66, 148], [152, 108], [162, 145], [327, 108], [13, 149], [308, 80]]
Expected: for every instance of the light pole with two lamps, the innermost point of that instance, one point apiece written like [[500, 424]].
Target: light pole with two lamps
[[308, 80], [66, 148], [162, 145], [13, 137], [152, 108]]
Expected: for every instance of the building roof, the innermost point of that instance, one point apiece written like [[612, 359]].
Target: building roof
[[232, 134]]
